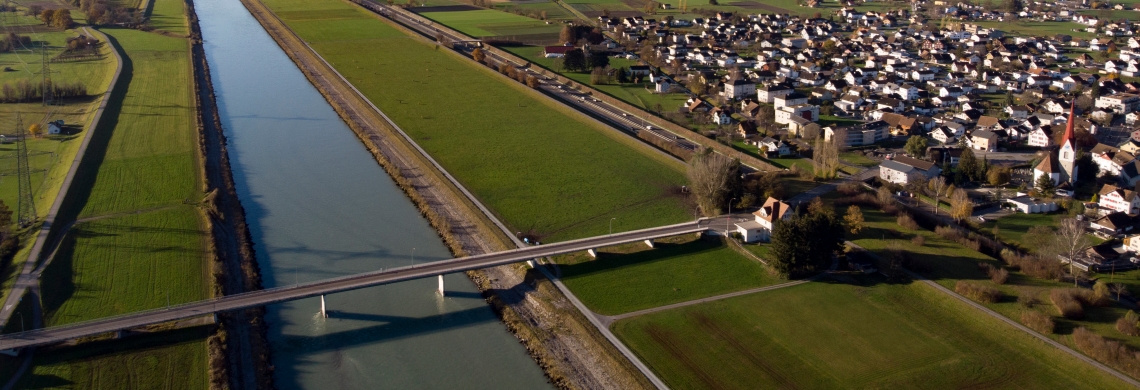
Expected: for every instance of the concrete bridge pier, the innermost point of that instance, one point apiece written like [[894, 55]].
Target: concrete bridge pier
[[10, 352], [649, 242], [593, 253], [324, 313], [440, 291]]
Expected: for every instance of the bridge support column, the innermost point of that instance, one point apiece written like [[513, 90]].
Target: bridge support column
[[592, 253], [649, 242], [324, 313], [531, 263], [10, 352], [440, 291]]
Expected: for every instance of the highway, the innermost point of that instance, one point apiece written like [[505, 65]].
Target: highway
[[617, 117], [57, 334]]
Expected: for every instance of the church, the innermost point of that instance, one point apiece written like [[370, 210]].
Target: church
[[1061, 165]]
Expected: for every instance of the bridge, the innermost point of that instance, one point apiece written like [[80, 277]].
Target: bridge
[[52, 335]]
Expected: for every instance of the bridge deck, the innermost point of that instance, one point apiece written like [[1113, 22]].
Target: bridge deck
[[274, 295]]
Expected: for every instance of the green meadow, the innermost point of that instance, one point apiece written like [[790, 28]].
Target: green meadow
[[633, 277], [491, 23], [542, 167], [856, 332]]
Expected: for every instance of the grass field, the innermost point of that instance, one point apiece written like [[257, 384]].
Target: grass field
[[536, 163], [633, 277], [634, 94], [1048, 29], [170, 361], [491, 23], [553, 11], [859, 333], [169, 16], [859, 159]]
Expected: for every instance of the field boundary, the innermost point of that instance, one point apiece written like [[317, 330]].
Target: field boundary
[[1015, 324], [27, 277]]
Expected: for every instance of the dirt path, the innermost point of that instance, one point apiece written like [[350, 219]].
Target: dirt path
[[560, 339]]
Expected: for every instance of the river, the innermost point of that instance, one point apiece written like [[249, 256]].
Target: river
[[319, 206]]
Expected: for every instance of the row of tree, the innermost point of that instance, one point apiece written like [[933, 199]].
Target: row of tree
[[23, 90], [106, 13], [58, 18], [14, 42]]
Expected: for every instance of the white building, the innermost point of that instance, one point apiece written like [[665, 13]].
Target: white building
[[903, 170], [1115, 199], [761, 229]]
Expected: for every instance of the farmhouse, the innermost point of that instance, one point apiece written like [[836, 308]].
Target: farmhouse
[[556, 51], [761, 229]]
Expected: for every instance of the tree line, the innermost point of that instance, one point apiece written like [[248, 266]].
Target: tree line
[[23, 90], [14, 42], [103, 12]]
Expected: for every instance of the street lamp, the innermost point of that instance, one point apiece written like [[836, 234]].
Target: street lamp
[[612, 225]]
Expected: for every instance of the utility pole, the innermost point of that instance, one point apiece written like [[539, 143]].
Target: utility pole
[[45, 73]]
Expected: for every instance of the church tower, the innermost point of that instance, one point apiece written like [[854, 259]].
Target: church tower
[[1067, 155]]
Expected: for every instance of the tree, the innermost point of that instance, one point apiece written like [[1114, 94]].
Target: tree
[[47, 16], [1072, 241], [968, 164], [598, 76], [961, 207], [1045, 185], [711, 176], [998, 175], [854, 219], [575, 60], [532, 81], [916, 146], [62, 18], [598, 59], [805, 243], [937, 185], [478, 55], [826, 157], [567, 35], [622, 75], [35, 130]]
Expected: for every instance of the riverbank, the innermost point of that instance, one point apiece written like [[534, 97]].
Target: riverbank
[[558, 338], [239, 350]]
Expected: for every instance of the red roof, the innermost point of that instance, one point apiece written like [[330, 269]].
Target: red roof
[[1068, 138], [557, 49]]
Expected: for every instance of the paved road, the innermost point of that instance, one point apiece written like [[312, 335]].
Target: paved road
[[29, 275], [1015, 324], [352, 282]]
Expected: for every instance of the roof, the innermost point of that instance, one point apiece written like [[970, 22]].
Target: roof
[[749, 225], [558, 49], [985, 134], [772, 210], [914, 162], [1068, 137], [1048, 165], [896, 166], [1117, 220], [1125, 194], [987, 121]]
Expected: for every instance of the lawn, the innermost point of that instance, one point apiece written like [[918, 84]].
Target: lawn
[[635, 94], [539, 165], [535, 10], [169, 16], [782, 162], [139, 169], [1047, 29], [173, 360], [947, 262], [491, 23], [858, 333], [633, 277], [856, 158], [1012, 228]]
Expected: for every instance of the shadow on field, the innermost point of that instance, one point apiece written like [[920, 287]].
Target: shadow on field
[[662, 251]]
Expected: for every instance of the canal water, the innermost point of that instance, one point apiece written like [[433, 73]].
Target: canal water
[[319, 206]]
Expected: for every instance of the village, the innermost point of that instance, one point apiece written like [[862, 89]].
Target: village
[[1051, 116]]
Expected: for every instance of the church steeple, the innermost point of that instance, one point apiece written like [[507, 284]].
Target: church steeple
[[1067, 155]]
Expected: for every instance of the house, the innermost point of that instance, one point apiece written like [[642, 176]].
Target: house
[[55, 127], [769, 93], [638, 70], [1111, 198], [719, 116], [1109, 159], [761, 229], [1029, 205], [1120, 103], [1040, 137], [739, 89], [774, 146], [865, 134], [903, 170], [1113, 223], [1017, 112], [556, 51], [984, 140]]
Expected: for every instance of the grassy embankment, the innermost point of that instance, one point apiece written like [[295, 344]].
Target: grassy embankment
[[138, 244], [948, 262], [50, 155], [860, 333], [632, 277], [540, 166]]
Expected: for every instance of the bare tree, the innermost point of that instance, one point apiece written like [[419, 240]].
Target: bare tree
[[938, 184], [826, 157], [710, 176], [1073, 241]]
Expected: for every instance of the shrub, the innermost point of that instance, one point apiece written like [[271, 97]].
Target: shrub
[[1067, 303], [918, 240], [907, 222], [1038, 321], [1026, 299], [972, 244], [1129, 324], [949, 233], [890, 209], [1101, 296], [999, 275], [977, 292], [1109, 352], [849, 189], [1042, 268]]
